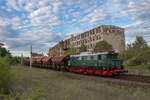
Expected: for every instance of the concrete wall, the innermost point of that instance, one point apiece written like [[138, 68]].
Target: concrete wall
[[112, 34]]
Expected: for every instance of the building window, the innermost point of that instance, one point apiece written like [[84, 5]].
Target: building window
[[99, 37], [96, 30], [86, 34], [113, 31], [118, 31], [93, 31]]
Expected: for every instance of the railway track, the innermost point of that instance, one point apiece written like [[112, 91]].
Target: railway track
[[129, 80], [135, 78], [135, 81], [132, 80]]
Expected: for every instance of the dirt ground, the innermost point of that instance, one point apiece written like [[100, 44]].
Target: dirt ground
[[62, 86]]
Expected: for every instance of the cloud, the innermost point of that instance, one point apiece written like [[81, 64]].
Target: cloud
[[44, 23], [139, 28], [13, 4], [138, 12], [134, 25], [138, 9], [97, 15], [8, 32]]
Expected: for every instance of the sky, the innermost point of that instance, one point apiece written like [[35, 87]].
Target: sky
[[43, 23]]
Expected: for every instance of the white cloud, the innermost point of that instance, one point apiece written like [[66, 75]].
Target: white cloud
[[13, 4], [40, 11], [97, 16], [36, 22], [56, 6], [138, 10], [133, 25]]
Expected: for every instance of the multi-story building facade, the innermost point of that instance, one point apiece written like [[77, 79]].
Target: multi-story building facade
[[112, 34]]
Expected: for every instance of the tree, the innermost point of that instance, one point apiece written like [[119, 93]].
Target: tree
[[139, 43], [5, 74], [83, 48], [4, 52], [136, 53], [102, 45], [69, 51]]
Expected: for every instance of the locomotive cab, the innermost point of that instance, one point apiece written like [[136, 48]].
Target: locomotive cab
[[115, 63]]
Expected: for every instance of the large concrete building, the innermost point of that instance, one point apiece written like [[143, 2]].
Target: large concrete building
[[112, 34]]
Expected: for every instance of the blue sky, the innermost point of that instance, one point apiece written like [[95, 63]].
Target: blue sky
[[42, 23]]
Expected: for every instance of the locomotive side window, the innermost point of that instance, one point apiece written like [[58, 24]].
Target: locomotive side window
[[111, 56], [91, 57], [83, 57], [79, 58], [88, 57], [99, 57]]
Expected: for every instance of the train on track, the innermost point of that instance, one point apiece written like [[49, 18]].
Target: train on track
[[103, 63]]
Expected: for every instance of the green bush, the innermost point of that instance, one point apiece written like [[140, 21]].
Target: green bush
[[31, 94], [5, 74], [15, 60], [137, 53], [83, 48], [69, 51], [102, 45]]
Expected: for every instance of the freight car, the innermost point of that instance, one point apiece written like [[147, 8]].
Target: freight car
[[103, 63]]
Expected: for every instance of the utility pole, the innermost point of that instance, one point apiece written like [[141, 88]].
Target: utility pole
[[31, 56], [21, 58]]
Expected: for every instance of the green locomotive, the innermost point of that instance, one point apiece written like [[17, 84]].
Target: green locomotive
[[99, 63]]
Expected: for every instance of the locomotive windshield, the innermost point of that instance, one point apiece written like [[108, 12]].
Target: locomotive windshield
[[112, 56]]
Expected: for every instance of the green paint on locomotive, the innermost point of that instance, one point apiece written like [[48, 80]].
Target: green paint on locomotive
[[98, 61]]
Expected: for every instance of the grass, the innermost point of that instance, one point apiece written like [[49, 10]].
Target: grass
[[57, 86], [138, 70]]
